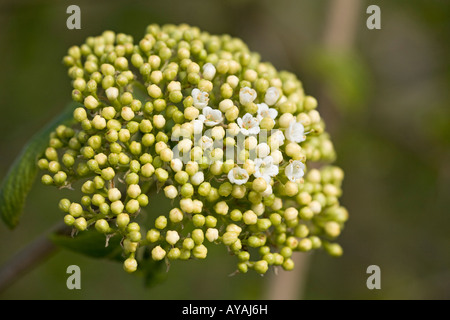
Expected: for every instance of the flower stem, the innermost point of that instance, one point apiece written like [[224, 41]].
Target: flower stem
[[29, 257]]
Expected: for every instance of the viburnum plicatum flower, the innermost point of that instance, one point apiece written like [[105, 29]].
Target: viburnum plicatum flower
[[238, 175], [247, 95], [219, 131], [295, 132], [265, 168], [249, 125], [265, 112], [295, 170], [211, 117], [206, 142], [272, 96], [200, 98]]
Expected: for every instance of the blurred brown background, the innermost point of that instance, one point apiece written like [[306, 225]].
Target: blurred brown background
[[383, 93]]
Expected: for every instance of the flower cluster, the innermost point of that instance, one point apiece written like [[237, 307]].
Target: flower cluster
[[228, 139]]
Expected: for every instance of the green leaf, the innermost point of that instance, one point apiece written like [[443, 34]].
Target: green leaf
[[91, 243], [22, 174]]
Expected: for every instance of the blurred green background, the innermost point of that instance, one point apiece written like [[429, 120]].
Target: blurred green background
[[384, 95]]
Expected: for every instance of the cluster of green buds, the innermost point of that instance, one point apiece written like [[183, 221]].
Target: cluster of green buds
[[225, 136]]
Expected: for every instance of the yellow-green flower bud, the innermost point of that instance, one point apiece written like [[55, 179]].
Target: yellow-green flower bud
[[305, 244], [221, 208], [117, 207], [249, 217], [200, 251], [147, 170], [261, 266], [332, 229], [91, 102], [158, 253], [102, 226], [130, 265], [69, 220], [174, 254], [133, 191], [80, 224], [259, 184], [198, 236], [161, 174], [170, 192], [108, 173], [229, 237], [211, 221], [122, 220], [161, 222]]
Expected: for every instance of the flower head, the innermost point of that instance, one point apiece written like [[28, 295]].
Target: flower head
[[208, 133]]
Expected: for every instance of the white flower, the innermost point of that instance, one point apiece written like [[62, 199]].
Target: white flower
[[210, 116], [262, 150], [201, 98], [272, 96], [278, 137], [268, 191], [265, 168], [205, 142], [238, 175], [249, 124], [295, 132], [209, 71], [295, 170], [247, 95], [265, 112]]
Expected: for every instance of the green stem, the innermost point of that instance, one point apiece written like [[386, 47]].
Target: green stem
[[30, 257]]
